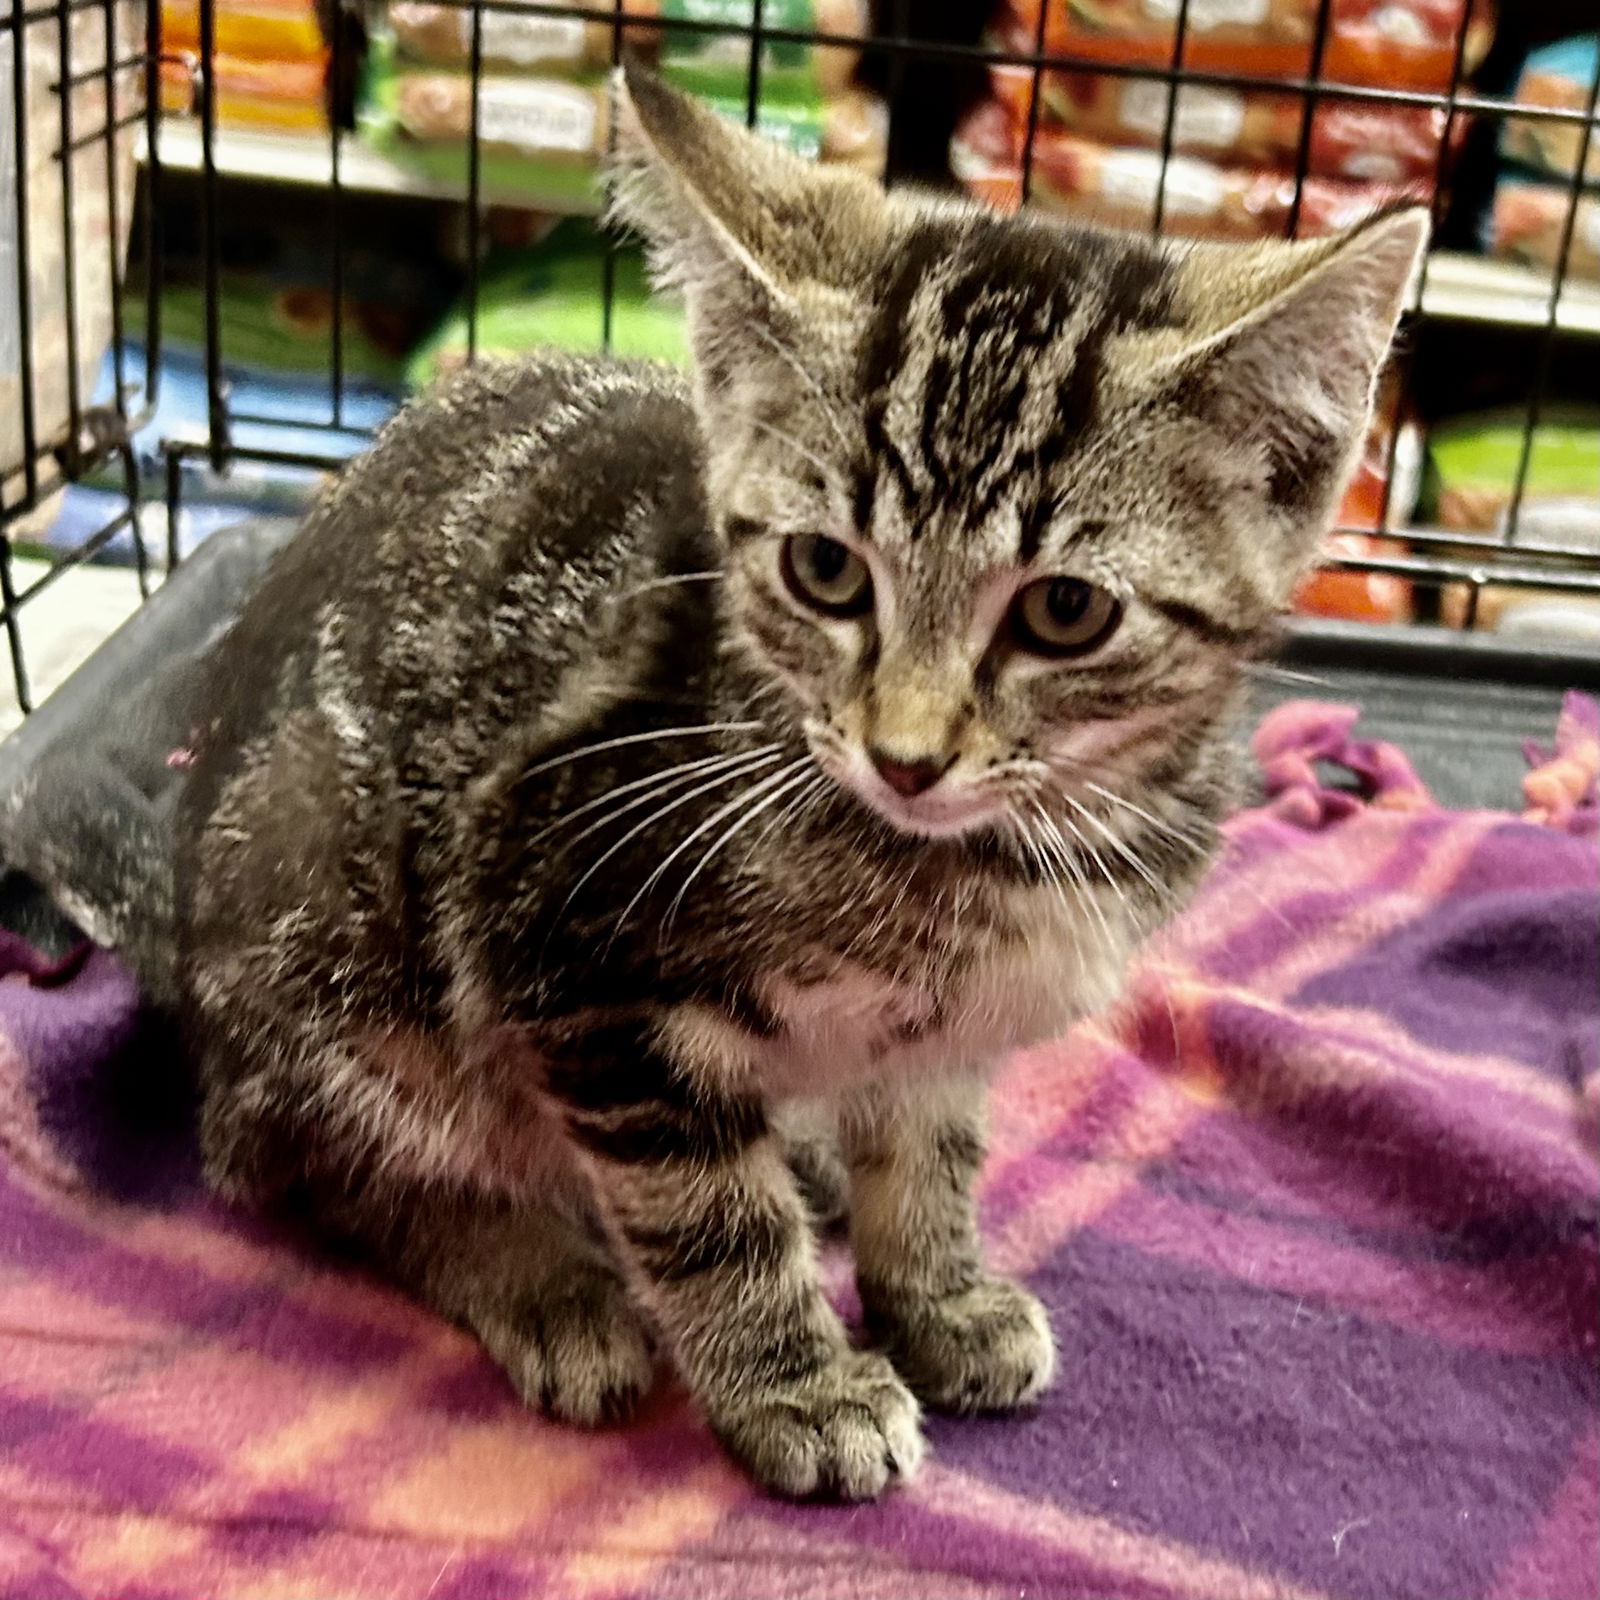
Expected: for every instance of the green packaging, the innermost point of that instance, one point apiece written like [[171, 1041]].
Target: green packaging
[[552, 295], [717, 63]]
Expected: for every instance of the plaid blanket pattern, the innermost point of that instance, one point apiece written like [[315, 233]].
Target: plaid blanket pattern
[[1314, 1214]]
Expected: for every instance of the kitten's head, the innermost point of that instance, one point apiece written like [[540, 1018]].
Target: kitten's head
[[1005, 503]]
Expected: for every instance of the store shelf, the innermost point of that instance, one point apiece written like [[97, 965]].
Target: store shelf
[[1477, 289], [298, 159], [1459, 287]]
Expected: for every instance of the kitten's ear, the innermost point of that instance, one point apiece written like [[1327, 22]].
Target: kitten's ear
[[1288, 372], [726, 212]]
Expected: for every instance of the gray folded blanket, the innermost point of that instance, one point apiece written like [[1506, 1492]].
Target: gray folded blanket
[[89, 783]]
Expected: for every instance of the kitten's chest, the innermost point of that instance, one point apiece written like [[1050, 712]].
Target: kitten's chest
[[1024, 976]]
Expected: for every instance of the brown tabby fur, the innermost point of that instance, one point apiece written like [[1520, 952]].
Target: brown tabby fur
[[531, 884]]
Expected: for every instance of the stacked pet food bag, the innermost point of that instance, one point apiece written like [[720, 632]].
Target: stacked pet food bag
[[1097, 151], [542, 103], [542, 119], [1097, 155], [270, 66], [1475, 460], [1540, 161], [35, 55], [271, 62]]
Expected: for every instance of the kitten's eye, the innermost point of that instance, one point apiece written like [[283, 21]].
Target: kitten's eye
[[826, 575], [1064, 617]]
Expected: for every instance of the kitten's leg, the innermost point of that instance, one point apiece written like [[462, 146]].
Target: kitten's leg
[[530, 1275], [540, 1292], [707, 1215], [809, 1137], [964, 1339]]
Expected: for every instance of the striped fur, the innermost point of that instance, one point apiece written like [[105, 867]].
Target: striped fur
[[532, 874]]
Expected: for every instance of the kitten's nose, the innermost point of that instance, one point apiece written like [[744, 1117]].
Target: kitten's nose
[[907, 778]]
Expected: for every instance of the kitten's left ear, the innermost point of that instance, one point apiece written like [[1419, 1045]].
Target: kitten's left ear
[[1287, 374], [730, 216]]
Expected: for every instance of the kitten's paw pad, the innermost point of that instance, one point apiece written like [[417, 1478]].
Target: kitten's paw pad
[[844, 1433], [582, 1354], [989, 1349]]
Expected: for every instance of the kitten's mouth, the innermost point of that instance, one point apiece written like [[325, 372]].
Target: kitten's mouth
[[943, 811]]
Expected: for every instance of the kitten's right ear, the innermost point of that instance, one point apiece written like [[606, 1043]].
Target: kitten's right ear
[[726, 212]]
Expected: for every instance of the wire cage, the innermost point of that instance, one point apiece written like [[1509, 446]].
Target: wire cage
[[124, 170]]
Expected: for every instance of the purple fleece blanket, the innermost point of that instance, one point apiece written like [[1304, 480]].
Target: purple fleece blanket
[[1315, 1215]]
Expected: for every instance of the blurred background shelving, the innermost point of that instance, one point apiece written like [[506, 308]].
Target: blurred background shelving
[[296, 313]]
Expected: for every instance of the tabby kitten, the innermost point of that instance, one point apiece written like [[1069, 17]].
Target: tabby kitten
[[614, 774]]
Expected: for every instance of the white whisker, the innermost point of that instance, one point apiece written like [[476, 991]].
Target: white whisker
[[1288, 675], [1057, 848], [653, 784], [793, 783], [1204, 848], [829, 473], [1195, 842], [667, 583], [1121, 846], [760, 786], [754, 762], [1048, 875], [697, 729], [1068, 858], [797, 807], [808, 378]]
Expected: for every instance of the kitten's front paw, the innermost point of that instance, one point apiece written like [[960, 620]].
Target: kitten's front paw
[[843, 1433], [580, 1354], [989, 1349]]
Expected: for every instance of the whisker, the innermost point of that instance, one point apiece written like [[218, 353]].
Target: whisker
[[1018, 825], [762, 784], [830, 474], [797, 807], [1269, 669], [754, 762], [1088, 850], [1204, 849], [1054, 877], [698, 729], [1217, 845], [739, 823], [1172, 831], [808, 378], [1201, 848], [1142, 926], [1121, 846], [1199, 842], [1196, 842], [667, 583], [653, 783], [1061, 852]]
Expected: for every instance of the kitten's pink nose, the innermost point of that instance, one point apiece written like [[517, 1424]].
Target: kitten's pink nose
[[908, 778]]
